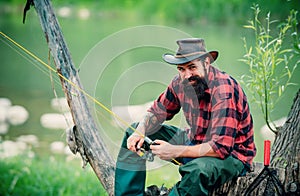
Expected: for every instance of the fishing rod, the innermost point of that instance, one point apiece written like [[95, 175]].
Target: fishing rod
[[143, 153]]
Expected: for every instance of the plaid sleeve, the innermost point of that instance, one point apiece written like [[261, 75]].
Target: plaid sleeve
[[224, 120], [167, 104], [231, 123]]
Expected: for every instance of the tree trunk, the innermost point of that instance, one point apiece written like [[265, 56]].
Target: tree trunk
[[285, 150], [87, 132]]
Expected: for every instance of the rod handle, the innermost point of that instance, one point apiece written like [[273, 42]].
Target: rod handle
[[267, 145]]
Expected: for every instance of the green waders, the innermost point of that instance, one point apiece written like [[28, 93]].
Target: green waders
[[198, 175]]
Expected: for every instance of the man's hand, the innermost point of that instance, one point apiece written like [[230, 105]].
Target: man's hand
[[165, 150], [147, 125], [135, 142]]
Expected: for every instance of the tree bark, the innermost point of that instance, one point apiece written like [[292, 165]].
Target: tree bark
[[94, 148], [286, 149]]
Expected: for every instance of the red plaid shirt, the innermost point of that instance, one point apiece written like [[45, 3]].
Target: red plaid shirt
[[225, 122]]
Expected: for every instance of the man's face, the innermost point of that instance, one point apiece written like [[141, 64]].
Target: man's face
[[192, 68], [193, 78]]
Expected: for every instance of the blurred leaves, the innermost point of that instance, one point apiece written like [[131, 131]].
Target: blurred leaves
[[185, 11]]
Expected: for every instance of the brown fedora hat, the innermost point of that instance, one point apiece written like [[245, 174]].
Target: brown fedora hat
[[189, 49]]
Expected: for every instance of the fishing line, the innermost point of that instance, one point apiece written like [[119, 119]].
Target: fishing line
[[47, 72], [71, 83], [78, 88], [29, 59]]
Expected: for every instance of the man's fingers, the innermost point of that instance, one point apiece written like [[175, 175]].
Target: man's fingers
[[155, 144], [134, 142], [140, 143], [131, 143], [158, 141]]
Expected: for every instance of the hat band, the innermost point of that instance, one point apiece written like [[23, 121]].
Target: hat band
[[187, 55]]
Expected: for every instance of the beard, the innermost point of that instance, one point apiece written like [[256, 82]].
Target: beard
[[196, 89]]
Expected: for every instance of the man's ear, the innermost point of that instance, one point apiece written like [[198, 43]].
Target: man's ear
[[207, 61]]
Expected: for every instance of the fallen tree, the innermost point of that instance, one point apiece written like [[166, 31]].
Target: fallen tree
[[285, 150]]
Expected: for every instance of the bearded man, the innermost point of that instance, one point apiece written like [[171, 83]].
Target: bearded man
[[219, 144]]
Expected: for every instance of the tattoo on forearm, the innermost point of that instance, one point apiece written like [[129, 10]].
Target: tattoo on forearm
[[150, 122]]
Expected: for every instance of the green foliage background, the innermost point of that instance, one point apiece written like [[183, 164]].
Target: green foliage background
[[186, 11]]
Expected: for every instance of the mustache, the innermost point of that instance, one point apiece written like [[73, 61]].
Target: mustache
[[198, 80]]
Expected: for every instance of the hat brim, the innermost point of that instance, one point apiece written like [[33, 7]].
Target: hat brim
[[171, 59]]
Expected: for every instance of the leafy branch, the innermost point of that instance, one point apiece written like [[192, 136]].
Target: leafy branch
[[271, 60]]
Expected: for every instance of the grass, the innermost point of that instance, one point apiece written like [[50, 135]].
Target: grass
[[45, 177]]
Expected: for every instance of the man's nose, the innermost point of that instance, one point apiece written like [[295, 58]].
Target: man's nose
[[188, 74]]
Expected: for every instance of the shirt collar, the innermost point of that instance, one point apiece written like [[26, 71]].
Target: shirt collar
[[211, 79]]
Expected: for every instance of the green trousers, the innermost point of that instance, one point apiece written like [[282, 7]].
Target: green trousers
[[198, 175]]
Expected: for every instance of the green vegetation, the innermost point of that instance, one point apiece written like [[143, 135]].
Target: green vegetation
[[184, 11], [46, 177], [272, 60]]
